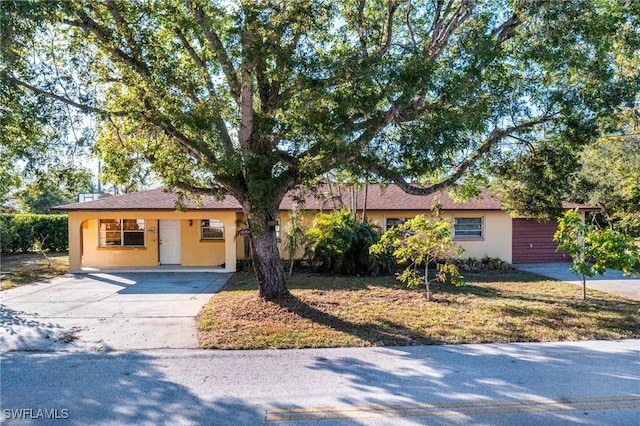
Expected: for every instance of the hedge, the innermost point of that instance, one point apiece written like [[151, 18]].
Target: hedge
[[20, 232]]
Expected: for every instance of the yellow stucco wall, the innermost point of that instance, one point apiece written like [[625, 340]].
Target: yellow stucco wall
[[198, 252], [96, 256], [84, 250], [496, 240]]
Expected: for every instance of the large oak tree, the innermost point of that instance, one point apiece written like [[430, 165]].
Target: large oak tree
[[254, 98]]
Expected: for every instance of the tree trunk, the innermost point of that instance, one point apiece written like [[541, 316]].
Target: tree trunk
[[365, 199], [584, 287], [426, 280], [267, 266]]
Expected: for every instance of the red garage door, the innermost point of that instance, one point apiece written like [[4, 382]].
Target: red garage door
[[532, 242]]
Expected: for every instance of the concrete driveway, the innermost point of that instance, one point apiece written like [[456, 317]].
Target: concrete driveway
[[106, 311], [612, 281]]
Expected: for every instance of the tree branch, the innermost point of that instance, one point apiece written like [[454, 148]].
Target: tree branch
[[506, 30], [247, 113], [408, 21], [198, 190], [218, 48], [363, 40], [391, 10], [89, 25], [80, 106], [494, 138], [126, 31], [440, 36], [219, 122]]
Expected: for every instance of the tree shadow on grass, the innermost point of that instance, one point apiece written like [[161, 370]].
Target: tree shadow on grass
[[383, 333], [245, 281]]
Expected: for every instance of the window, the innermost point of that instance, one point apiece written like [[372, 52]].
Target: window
[[467, 227], [212, 229], [394, 221], [121, 232]]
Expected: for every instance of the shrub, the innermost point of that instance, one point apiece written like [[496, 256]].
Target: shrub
[[484, 264], [21, 232], [244, 265], [339, 243]]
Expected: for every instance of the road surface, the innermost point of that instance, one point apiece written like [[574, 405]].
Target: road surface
[[586, 383]]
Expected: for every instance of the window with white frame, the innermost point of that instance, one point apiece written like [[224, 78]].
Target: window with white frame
[[212, 229], [390, 222], [122, 232], [467, 227]]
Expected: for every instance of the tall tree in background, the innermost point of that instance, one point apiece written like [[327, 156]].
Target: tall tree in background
[[53, 187], [253, 98], [40, 134], [610, 178]]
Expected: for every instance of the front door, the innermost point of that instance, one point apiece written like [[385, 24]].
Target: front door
[[169, 242]]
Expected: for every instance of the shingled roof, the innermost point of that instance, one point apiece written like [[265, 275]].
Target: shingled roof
[[153, 199], [393, 198], [378, 199]]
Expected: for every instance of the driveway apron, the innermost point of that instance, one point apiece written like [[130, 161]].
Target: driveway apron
[[107, 311], [612, 281]]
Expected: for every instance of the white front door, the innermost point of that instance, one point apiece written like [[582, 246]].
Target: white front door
[[169, 242]]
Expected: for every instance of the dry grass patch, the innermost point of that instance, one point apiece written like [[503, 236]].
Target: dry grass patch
[[327, 311], [26, 268]]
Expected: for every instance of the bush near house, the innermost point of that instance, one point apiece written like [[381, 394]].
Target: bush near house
[[25, 232], [485, 263], [339, 243]]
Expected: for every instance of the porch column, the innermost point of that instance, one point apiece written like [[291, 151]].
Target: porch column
[[75, 243], [230, 241]]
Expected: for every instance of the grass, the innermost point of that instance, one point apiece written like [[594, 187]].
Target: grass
[[26, 268], [494, 306]]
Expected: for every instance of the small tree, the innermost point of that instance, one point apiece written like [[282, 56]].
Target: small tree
[[294, 234], [593, 250], [417, 243]]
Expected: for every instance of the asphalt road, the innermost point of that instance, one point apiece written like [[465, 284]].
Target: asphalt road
[[586, 383]]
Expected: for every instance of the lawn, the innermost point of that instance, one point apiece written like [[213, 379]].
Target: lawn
[[494, 306], [27, 268]]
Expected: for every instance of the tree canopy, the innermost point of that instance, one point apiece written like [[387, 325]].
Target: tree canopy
[[610, 178], [40, 134], [254, 98], [56, 186]]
